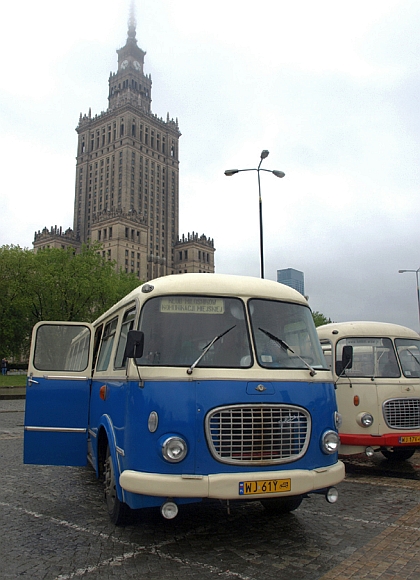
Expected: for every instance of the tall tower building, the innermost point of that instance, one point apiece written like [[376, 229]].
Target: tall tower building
[[293, 278], [127, 180]]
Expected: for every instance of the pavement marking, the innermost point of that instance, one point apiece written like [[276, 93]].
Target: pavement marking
[[115, 560], [370, 522]]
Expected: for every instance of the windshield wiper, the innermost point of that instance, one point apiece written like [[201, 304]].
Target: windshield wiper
[[286, 347], [414, 356], [207, 348]]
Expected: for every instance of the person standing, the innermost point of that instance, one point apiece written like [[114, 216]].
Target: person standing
[[3, 366]]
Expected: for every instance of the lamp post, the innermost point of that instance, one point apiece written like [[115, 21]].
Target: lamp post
[[418, 289], [230, 172]]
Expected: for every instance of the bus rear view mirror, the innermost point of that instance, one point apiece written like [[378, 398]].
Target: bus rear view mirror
[[135, 344], [347, 356], [346, 361]]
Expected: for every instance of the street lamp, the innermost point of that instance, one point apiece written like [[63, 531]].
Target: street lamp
[[417, 281], [230, 172]]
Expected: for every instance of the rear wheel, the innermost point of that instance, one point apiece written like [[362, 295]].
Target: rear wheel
[[282, 505], [118, 511], [398, 453]]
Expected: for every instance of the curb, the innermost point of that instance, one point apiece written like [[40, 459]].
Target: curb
[[11, 393]]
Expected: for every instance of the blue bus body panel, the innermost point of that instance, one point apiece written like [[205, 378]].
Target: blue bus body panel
[[182, 408], [56, 420]]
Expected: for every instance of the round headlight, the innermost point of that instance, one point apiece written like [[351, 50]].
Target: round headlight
[[330, 442], [174, 449], [338, 420], [365, 419]]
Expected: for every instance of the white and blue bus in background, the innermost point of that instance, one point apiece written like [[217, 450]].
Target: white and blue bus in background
[[193, 386]]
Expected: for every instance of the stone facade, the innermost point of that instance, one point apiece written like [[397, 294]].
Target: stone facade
[[127, 181], [194, 254]]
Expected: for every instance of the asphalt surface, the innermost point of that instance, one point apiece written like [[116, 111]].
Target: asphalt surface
[[53, 526]]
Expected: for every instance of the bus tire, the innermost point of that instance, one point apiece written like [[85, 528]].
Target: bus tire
[[282, 505], [398, 453], [118, 511]]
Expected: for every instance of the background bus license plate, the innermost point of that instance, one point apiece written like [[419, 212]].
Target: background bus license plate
[[264, 486], [412, 439]]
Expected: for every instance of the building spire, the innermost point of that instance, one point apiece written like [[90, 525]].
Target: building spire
[[131, 33]]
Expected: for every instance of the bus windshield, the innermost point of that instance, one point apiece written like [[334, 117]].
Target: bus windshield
[[372, 357], [284, 335], [179, 329], [408, 350]]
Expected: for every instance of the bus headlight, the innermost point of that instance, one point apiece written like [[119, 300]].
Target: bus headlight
[[330, 442], [364, 419], [174, 449]]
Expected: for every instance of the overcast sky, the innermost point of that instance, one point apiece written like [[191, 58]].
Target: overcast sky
[[330, 88]]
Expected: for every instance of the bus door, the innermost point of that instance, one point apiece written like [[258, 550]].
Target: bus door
[[57, 394]]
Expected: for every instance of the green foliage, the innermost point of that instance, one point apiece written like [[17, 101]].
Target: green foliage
[[14, 304], [54, 284], [320, 319]]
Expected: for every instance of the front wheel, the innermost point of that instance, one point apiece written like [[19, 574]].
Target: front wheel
[[282, 505], [398, 453], [118, 511]]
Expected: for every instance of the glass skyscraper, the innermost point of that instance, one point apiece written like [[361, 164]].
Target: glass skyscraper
[[293, 278]]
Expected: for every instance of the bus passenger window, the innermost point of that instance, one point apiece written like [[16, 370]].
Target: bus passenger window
[[61, 348], [106, 345], [96, 343], [127, 324]]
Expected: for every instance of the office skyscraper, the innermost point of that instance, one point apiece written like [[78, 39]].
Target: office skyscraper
[[292, 278]]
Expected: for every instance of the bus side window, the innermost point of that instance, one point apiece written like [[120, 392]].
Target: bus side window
[[127, 324], [327, 350], [106, 345], [60, 347], [96, 343]]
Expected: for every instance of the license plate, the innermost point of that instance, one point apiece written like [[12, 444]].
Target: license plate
[[264, 486], [410, 439]]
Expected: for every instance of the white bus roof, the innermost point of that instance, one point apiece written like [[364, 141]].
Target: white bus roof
[[210, 284], [364, 328]]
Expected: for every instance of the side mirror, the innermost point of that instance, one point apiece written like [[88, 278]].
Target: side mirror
[[135, 344], [347, 356]]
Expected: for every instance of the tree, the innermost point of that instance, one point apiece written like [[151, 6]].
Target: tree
[[54, 284], [14, 303], [76, 286], [320, 319]]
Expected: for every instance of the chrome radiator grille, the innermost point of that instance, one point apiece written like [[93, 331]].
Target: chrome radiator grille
[[402, 413], [258, 434]]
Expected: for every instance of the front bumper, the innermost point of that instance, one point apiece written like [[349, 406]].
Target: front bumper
[[226, 485], [399, 439]]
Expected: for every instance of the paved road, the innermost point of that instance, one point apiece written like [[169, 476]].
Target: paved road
[[53, 526]]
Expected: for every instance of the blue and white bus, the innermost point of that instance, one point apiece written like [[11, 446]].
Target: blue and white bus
[[193, 386]]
